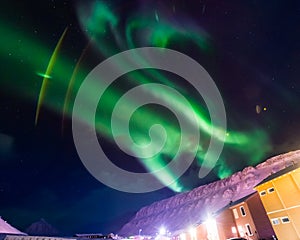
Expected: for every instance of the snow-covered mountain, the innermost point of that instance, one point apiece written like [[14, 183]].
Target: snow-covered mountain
[[6, 228], [189, 208]]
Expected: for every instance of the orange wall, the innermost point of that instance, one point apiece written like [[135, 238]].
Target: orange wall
[[287, 190], [271, 201], [241, 221], [283, 231], [284, 202], [225, 222], [201, 232]]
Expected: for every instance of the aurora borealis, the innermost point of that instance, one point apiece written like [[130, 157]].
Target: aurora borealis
[[48, 50]]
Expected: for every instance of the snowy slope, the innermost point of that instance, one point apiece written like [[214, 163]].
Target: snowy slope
[[6, 228], [42, 228], [189, 208]]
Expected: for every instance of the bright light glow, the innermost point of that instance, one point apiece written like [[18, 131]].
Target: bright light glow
[[162, 231], [193, 233], [233, 230], [241, 231], [43, 75], [212, 229], [182, 236]]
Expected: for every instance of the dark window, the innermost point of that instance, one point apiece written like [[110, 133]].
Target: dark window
[[235, 213], [249, 229], [243, 212], [262, 193], [285, 220], [270, 190]]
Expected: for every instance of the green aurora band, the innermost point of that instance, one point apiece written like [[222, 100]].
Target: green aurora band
[[102, 25]]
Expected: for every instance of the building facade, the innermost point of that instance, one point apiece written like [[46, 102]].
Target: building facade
[[251, 219], [280, 195], [245, 218], [16, 237]]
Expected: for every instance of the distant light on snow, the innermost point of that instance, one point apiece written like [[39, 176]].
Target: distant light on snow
[[182, 236], [241, 231], [162, 231], [192, 232], [212, 229]]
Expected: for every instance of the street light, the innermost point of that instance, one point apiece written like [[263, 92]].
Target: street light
[[211, 228], [162, 231], [193, 233]]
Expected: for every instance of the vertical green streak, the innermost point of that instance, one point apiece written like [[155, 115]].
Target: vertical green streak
[[48, 73]]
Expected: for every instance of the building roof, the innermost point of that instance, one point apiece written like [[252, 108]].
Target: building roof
[[6, 228], [240, 201], [286, 170], [87, 234]]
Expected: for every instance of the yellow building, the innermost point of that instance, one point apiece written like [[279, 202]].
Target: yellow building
[[280, 195]]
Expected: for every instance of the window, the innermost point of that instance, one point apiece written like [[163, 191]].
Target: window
[[241, 231], [249, 229], [235, 213], [285, 220], [243, 212], [270, 190], [263, 193], [275, 221]]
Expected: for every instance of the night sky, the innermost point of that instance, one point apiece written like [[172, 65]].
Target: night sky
[[251, 49]]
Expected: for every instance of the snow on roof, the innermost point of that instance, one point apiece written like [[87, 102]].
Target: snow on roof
[[6, 228], [284, 171]]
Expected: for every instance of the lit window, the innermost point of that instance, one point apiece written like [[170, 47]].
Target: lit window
[[243, 212], [241, 231], [249, 229], [275, 221], [270, 190], [285, 220], [262, 193], [235, 213]]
